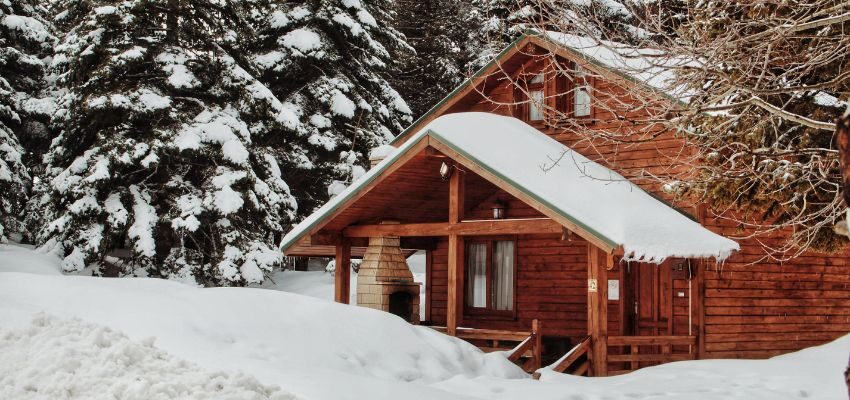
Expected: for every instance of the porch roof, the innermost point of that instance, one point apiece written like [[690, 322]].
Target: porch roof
[[574, 191]]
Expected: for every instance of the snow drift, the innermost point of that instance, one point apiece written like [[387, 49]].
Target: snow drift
[[312, 348], [57, 359]]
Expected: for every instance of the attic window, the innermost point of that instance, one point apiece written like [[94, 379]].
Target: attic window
[[581, 96], [535, 105], [536, 97]]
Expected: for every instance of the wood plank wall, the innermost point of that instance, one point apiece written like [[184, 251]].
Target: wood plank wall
[[751, 310], [551, 287]]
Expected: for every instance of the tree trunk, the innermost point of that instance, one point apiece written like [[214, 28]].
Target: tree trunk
[[842, 136], [172, 22]]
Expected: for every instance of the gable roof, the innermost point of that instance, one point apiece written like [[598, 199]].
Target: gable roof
[[593, 201], [644, 66]]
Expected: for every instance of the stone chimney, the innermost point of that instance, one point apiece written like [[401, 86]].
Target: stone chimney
[[384, 281], [378, 154]]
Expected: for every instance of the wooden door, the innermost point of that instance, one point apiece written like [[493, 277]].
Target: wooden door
[[652, 300]]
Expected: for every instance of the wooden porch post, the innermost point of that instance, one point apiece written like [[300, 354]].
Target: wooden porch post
[[342, 274], [597, 309], [454, 308]]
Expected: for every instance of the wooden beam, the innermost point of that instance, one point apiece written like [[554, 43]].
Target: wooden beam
[[342, 273], [454, 309], [465, 228], [457, 186], [335, 238], [454, 306], [429, 285], [697, 293], [521, 195], [597, 309]]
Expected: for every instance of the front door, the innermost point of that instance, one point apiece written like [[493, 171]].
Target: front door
[[654, 292], [652, 299]]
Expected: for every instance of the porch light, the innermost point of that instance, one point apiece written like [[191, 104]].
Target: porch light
[[445, 171], [498, 210]]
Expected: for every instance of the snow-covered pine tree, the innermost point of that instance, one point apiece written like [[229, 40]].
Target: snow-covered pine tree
[[25, 39], [165, 149], [327, 62], [439, 32], [502, 21]]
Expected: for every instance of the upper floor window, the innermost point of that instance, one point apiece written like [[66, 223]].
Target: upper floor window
[[536, 97], [581, 94], [565, 91]]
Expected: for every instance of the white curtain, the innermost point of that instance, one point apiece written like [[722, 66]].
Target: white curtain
[[476, 288], [535, 105], [503, 275]]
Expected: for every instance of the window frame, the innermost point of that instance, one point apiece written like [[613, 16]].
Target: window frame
[[522, 93], [488, 312], [581, 80], [560, 90]]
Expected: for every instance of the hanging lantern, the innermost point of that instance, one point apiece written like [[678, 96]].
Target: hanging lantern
[[498, 210], [445, 171]]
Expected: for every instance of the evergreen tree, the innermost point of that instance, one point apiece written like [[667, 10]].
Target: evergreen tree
[[502, 21], [439, 31], [166, 144], [24, 40], [327, 61]]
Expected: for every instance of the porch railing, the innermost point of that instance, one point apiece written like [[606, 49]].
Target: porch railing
[[576, 361], [640, 351], [527, 354]]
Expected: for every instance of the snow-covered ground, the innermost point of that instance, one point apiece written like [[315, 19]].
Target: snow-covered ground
[[151, 339]]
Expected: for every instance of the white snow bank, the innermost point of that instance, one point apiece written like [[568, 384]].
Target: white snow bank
[[23, 258], [72, 359], [814, 373], [596, 198], [315, 349]]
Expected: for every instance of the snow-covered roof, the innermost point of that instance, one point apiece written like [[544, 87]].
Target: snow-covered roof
[[598, 200], [652, 67]]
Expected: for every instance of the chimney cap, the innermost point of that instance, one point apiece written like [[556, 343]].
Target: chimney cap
[[381, 152]]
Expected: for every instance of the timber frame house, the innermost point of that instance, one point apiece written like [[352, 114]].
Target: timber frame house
[[589, 277]]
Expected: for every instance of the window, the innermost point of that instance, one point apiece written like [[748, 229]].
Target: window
[[536, 97], [535, 105], [490, 269], [581, 96]]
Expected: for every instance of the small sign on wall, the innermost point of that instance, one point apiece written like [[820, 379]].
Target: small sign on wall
[[614, 289], [591, 286]]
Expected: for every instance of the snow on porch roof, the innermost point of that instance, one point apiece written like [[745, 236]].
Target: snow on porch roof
[[598, 200]]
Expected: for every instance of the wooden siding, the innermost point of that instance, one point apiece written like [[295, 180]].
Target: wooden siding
[[551, 286], [751, 308]]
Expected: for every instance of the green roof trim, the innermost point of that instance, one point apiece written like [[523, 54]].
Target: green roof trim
[[522, 188]]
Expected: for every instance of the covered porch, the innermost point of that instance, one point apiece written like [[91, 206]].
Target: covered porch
[[549, 263]]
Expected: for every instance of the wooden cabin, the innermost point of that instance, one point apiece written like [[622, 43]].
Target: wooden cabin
[[534, 246]]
